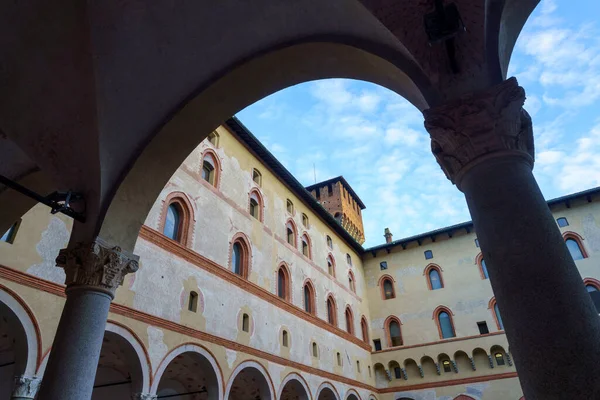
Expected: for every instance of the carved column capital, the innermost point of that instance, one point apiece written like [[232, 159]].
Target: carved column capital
[[26, 387], [479, 126], [143, 396], [96, 264]]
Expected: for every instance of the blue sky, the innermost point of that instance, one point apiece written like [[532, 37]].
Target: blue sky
[[376, 139]]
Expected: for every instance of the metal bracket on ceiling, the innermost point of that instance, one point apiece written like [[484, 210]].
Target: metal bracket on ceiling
[[59, 202]]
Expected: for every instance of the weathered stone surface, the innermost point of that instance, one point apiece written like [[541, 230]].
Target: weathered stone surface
[[26, 387]]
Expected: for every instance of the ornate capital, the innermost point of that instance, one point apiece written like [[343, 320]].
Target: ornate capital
[[143, 396], [26, 387], [478, 126], [96, 264]]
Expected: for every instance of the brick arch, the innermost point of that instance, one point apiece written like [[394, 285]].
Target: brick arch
[[386, 328], [256, 194], [334, 314], [287, 281], [492, 308], [352, 286], [255, 365], [217, 165], [290, 223], [437, 312], [381, 282], [242, 238], [479, 261], [332, 259], [313, 295], [464, 397], [187, 220], [591, 281], [364, 327], [306, 236], [577, 238], [293, 376], [348, 312], [428, 269]]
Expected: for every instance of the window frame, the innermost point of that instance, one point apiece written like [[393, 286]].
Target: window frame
[[479, 261], [305, 221], [256, 195], [193, 301], [327, 260], [289, 206], [388, 331], [426, 252], [436, 314], [351, 282], [558, 222], [349, 317], [381, 285], [329, 242], [306, 239], [246, 254], [312, 300], [492, 307], [331, 318], [216, 164], [577, 239], [216, 136], [426, 273], [291, 224], [364, 328], [256, 174], [186, 217], [287, 282], [246, 318]]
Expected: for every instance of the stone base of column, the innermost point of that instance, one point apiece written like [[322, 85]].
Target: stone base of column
[[25, 387]]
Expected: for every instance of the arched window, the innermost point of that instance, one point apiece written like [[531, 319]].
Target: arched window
[[246, 323], [394, 334], [444, 322], [315, 350], [283, 283], [290, 229], [574, 249], [209, 169], [240, 256], [351, 283], [339, 358], [330, 265], [364, 329], [496, 314], [349, 321], [484, 271], [331, 311], [309, 298], [193, 301], [257, 177], [213, 138], [387, 288], [256, 205], [305, 220], [329, 242], [172, 228], [289, 206], [306, 246], [593, 288], [434, 277], [349, 259], [284, 339]]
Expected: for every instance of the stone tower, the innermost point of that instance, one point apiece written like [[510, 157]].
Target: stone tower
[[337, 197]]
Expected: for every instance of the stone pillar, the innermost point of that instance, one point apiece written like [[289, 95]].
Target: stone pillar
[[94, 271], [484, 143], [25, 387]]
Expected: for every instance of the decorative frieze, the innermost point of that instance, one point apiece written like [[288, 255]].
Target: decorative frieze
[[96, 264], [478, 126], [26, 387]]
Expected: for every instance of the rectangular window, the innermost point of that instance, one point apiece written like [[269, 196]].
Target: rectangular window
[[397, 372], [428, 254], [383, 265], [377, 343], [562, 222], [483, 328]]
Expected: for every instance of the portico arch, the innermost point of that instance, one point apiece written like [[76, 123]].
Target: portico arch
[[352, 395], [189, 368], [248, 381], [294, 387], [19, 341], [327, 391]]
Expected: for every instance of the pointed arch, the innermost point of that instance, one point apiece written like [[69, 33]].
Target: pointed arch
[[177, 218], [331, 307], [442, 316], [351, 281], [483, 272], [210, 168], [352, 392], [240, 255], [291, 233], [327, 386], [330, 265], [261, 371], [308, 297], [306, 245], [256, 204], [349, 320], [493, 307], [592, 282], [364, 327], [574, 242], [386, 286], [393, 331], [284, 282], [291, 377], [433, 276]]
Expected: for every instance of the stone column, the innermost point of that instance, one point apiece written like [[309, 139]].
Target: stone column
[[25, 387], [484, 143], [93, 272]]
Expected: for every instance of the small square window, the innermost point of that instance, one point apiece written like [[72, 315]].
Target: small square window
[[428, 254], [256, 177], [562, 222], [377, 344], [290, 206], [483, 328], [383, 265], [476, 242], [305, 220]]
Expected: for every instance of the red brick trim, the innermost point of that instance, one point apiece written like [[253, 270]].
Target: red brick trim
[[246, 256], [577, 238], [478, 261], [291, 224], [386, 328], [364, 327], [185, 230], [593, 282], [435, 317], [453, 382], [381, 285], [287, 282], [428, 269], [332, 259], [306, 238], [332, 315], [492, 308], [217, 166], [257, 195], [245, 364], [348, 313], [297, 376]]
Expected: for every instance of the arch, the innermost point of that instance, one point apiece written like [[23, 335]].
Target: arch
[[395, 369], [352, 394], [386, 286], [207, 361], [592, 282], [240, 258], [28, 351], [291, 233], [211, 159], [185, 226], [493, 307], [256, 204], [463, 363], [445, 363], [393, 331], [364, 327], [411, 368], [349, 320], [433, 274], [483, 271], [480, 358], [298, 384], [326, 391], [331, 307], [308, 297], [445, 331], [284, 282], [573, 241], [499, 356], [351, 281], [331, 265], [464, 397], [306, 245], [255, 371]]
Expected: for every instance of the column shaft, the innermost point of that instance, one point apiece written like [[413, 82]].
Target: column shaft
[[551, 323], [71, 368]]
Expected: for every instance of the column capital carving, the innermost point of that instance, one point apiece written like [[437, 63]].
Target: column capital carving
[[26, 386], [96, 264], [479, 126], [143, 396]]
